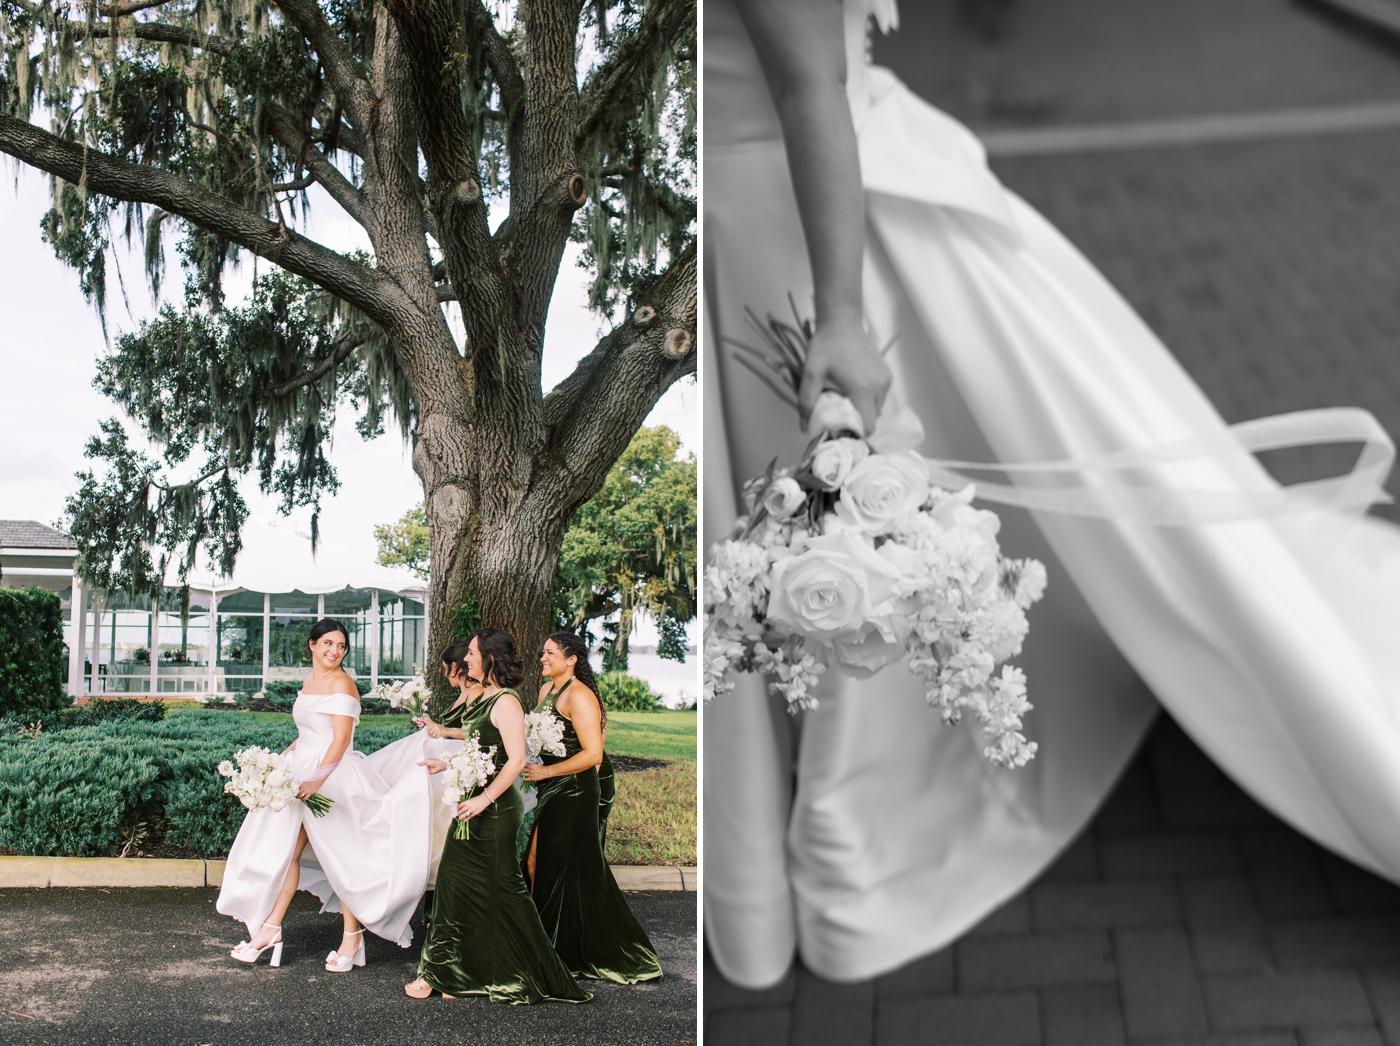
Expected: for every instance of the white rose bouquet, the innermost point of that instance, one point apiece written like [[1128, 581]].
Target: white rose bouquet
[[262, 779], [544, 732], [468, 770], [851, 559], [407, 695]]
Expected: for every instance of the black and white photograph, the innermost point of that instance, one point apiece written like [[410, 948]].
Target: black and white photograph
[[1051, 587]]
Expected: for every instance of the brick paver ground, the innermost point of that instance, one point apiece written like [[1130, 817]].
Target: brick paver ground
[[1185, 914]]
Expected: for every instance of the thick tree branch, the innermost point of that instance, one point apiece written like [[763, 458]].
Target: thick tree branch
[[347, 78], [445, 292], [498, 54], [595, 411], [285, 129], [128, 7], [156, 32], [344, 346], [375, 295]]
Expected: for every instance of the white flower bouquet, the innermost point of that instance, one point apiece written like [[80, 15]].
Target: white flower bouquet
[[262, 779], [405, 695], [544, 732], [852, 559], [468, 770]]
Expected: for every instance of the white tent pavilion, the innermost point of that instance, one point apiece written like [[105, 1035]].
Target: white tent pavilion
[[260, 619]]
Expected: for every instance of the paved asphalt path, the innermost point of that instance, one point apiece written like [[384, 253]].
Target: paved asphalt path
[[151, 967]]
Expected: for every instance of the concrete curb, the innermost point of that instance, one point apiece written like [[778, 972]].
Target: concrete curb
[[43, 872]]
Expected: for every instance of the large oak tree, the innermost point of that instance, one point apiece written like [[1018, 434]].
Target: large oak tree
[[206, 123]]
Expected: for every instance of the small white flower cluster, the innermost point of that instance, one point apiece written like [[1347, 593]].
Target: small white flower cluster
[[544, 732], [261, 779], [407, 695], [852, 559]]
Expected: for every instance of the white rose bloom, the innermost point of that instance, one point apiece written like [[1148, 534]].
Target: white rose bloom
[[784, 497], [837, 585], [833, 460], [881, 489]]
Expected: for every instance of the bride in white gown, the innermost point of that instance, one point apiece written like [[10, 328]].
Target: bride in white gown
[[368, 857], [866, 833]]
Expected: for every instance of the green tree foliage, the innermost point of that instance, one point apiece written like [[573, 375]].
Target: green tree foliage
[[633, 546], [405, 543], [204, 126], [31, 651]]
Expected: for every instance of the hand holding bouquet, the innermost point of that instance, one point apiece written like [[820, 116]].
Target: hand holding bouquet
[[407, 695], [468, 770], [262, 779], [852, 559], [544, 732]]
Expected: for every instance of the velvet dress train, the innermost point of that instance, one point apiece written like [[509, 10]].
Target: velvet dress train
[[1271, 641], [580, 903], [484, 936], [371, 849]]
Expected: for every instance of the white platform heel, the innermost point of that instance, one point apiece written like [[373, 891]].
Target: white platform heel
[[245, 952], [337, 963]]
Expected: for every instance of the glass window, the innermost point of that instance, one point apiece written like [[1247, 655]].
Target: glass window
[[287, 641], [293, 603], [240, 651], [241, 603]]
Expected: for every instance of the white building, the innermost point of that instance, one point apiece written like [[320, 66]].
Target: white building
[[260, 617]]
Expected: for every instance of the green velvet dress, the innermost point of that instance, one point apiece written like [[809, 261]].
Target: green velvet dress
[[485, 936], [583, 911]]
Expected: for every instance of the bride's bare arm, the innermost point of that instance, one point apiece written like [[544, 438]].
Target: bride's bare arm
[[801, 45]]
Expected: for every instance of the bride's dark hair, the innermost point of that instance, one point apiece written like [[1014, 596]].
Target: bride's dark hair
[[575, 646], [498, 657], [325, 627]]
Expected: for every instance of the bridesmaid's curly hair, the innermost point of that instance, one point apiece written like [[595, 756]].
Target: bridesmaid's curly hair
[[498, 657], [575, 646]]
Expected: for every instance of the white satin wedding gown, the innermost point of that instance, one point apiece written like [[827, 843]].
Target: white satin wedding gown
[[374, 848], [866, 833]]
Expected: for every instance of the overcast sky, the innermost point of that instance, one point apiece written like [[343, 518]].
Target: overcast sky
[[50, 341]]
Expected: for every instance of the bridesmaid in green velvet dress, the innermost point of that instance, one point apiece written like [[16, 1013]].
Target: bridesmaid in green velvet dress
[[485, 936], [582, 908]]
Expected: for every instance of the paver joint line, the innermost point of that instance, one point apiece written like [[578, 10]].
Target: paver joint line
[[42, 872]]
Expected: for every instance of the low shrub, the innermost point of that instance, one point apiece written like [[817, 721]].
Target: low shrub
[[98, 710], [626, 693], [31, 651], [69, 792]]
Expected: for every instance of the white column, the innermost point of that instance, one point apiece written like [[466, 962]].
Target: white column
[[320, 606], [267, 635], [213, 660], [96, 646], [75, 645], [155, 644], [374, 637]]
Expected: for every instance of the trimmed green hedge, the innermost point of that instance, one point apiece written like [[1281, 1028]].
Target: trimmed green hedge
[[31, 651], [71, 791]]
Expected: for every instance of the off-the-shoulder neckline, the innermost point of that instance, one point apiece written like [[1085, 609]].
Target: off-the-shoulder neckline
[[354, 697]]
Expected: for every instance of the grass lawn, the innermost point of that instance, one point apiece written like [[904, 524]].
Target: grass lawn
[[654, 816]]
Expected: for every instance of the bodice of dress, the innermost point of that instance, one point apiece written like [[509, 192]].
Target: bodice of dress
[[452, 718], [315, 729], [476, 719]]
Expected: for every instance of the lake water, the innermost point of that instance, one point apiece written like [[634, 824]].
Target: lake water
[[678, 683]]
